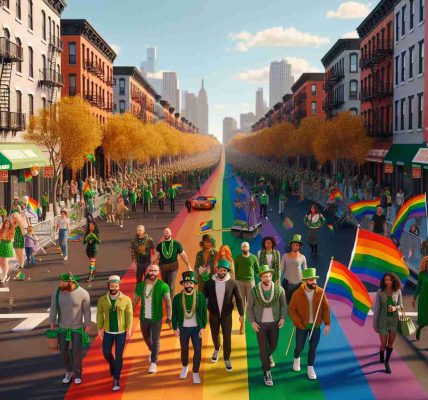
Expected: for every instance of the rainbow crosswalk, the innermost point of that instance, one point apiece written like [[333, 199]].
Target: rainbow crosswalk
[[346, 360]]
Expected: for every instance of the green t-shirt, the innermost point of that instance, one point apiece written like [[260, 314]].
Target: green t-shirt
[[159, 291], [114, 325], [246, 267], [172, 193], [264, 199], [174, 252]]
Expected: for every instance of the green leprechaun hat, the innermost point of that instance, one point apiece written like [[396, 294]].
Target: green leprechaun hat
[[265, 268], [296, 239], [224, 264], [188, 276], [309, 273]]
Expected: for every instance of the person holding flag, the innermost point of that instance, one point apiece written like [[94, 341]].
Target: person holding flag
[[308, 309]]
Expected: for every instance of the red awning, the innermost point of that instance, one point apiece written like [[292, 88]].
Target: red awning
[[378, 152]]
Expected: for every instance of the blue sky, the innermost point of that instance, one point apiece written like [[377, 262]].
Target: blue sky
[[227, 42]]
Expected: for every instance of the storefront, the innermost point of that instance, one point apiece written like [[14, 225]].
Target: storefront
[[400, 161], [17, 177], [375, 158], [420, 166]]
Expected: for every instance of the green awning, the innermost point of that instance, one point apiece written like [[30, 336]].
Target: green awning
[[15, 156], [402, 154]]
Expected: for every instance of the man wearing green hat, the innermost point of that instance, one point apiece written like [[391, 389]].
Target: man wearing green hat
[[189, 318], [70, 304], [309, 307], [266, 311], [220, 291], [114, 323]]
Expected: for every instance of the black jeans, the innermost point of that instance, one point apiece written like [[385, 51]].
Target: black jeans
[[301, 335], [172, 204], [289, 289], [72, 359], [169, 278], [226, 328], [151, 333], [263, 210], [44, 211], [141, 270], [115, 362], [161, 205], [187, 334], [146, 207], [267, 338]]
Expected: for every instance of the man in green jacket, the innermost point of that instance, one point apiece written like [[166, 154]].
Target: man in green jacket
[[189, 318], [172, 194], [264, 202], [45, 205], [152, 292], [148, 196], [114, 323]]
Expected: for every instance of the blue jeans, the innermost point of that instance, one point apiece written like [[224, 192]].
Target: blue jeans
[[63, 239], [301, 335], [115, 362], [185, 335], [29, 255]]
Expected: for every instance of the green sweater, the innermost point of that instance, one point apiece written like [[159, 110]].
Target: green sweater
[[160, 290], [178, 313], [92, 241], [246, 267]]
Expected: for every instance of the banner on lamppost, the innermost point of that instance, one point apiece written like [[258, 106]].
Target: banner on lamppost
[[48, 172], [388, 168], [4, 176], [416, 172]]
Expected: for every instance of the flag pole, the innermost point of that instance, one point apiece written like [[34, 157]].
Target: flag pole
[[426, 211], [323, 294], [353, 249], [289, 342]]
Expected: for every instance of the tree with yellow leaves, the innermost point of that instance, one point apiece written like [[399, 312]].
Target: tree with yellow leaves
[[68, 132]]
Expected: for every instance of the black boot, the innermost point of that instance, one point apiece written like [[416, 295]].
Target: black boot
[[316, 249], [312, 249], [382, 356], [388, 356], [418, 333]]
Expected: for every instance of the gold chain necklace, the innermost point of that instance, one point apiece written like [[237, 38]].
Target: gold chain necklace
[[188, 314]]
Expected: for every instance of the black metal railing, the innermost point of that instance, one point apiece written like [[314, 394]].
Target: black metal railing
[[10, 51], [377, 91], [379, 129], [12, 121], [49, 76], [376, 54], [56, 42]]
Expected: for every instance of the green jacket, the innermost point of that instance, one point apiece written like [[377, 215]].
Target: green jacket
[[45, 201], [92, 242], [178, 313], [124, 312], [172, 193]]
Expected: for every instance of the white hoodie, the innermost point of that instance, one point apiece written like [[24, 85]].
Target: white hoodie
[[220, 289]]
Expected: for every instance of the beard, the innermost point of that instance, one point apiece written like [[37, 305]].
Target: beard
[[312, 286], [245, 252], [68, 288], [167, 237], [114, 292], [152, 277], [188, 289], [221, 276]]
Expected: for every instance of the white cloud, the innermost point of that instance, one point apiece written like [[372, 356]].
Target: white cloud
[[350, 35], [220, 107], [116, 48], [276, 37], [350, 10], [261, 75]]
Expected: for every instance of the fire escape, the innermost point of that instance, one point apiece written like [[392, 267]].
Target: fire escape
[[50, 78], [9, 53], [334, 100], [379, 88]]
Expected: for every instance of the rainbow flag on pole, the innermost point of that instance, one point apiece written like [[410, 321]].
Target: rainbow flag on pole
[[414, 207], [362, 208], [33, 206], [375, 255], [345, 286], [206, 226], [337, 195], [87, 190], [27, 176], [177, 186]]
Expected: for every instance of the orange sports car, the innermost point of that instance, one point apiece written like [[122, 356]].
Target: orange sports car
[[204, 203]]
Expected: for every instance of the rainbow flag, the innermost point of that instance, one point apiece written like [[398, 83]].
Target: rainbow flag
[[375, 255], [33, 206], [177, 186], [206, 226], [87, 190], [343, 285], [27, 176], [336, 195], [414, 207], [288, 224], [362, 208]]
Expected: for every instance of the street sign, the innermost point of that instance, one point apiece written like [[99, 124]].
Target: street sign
[[4, 176], [48, 172]]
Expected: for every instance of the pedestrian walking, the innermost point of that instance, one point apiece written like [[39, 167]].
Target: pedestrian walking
[[269, 255], [161, 198], [421, 295], [148, 197], [30, 244], [172, 194], [18, 239], [45, 205], [7, 232], [142, 249], [188, 205], [378, 223], [264, 203], [120, 211], [314, 220], [92, 241], [204, 262]]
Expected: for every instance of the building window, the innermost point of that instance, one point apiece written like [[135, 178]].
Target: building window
[[420, 109], [353, 62], [314, 107], [421, 10], [403, 20], [43, 102], [30, 104], [19, 63], [18, 102], [122, 106], [410, 107], [402, 112], [72, 53], [30, 62], [30, 14], [397, 26], [18, 9], [353, 90], [72, 84], [43, 25], [397, 60], [421, 57], [411, 53], [396, 115], [314, 89], [50, 29], [121, 86], [403, 66], [412, 14], [353, 111]]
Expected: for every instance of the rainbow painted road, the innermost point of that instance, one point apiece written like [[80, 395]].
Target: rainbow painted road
[[346, 364]]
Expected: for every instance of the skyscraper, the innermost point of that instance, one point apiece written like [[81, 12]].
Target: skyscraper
[[280, 81], [150, 64], [230, 127], [260, 104], [202, 122], [246, 121], [170, 89], [191, 110]]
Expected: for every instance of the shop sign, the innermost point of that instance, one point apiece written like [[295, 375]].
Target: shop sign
[[388, 168], [416, 172], [48, 172], [4, 176]]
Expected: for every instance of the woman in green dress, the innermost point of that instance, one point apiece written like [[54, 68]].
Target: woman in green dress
[[92, 241], [18, 240], [7, 232], [421, 294], [314, 220]]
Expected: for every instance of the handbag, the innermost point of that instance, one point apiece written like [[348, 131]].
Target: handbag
[[405, 324]]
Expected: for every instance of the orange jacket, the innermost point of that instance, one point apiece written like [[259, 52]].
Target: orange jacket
[[299, 308]]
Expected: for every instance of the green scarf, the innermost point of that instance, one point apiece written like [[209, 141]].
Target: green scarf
[[260, 301]]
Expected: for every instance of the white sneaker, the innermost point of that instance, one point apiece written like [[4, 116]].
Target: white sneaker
[[271, 362], [296, 364], [196, 378], [77, 381], [184, 371], [152, 368], [67, 377], [65, 258], [311, 373]]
